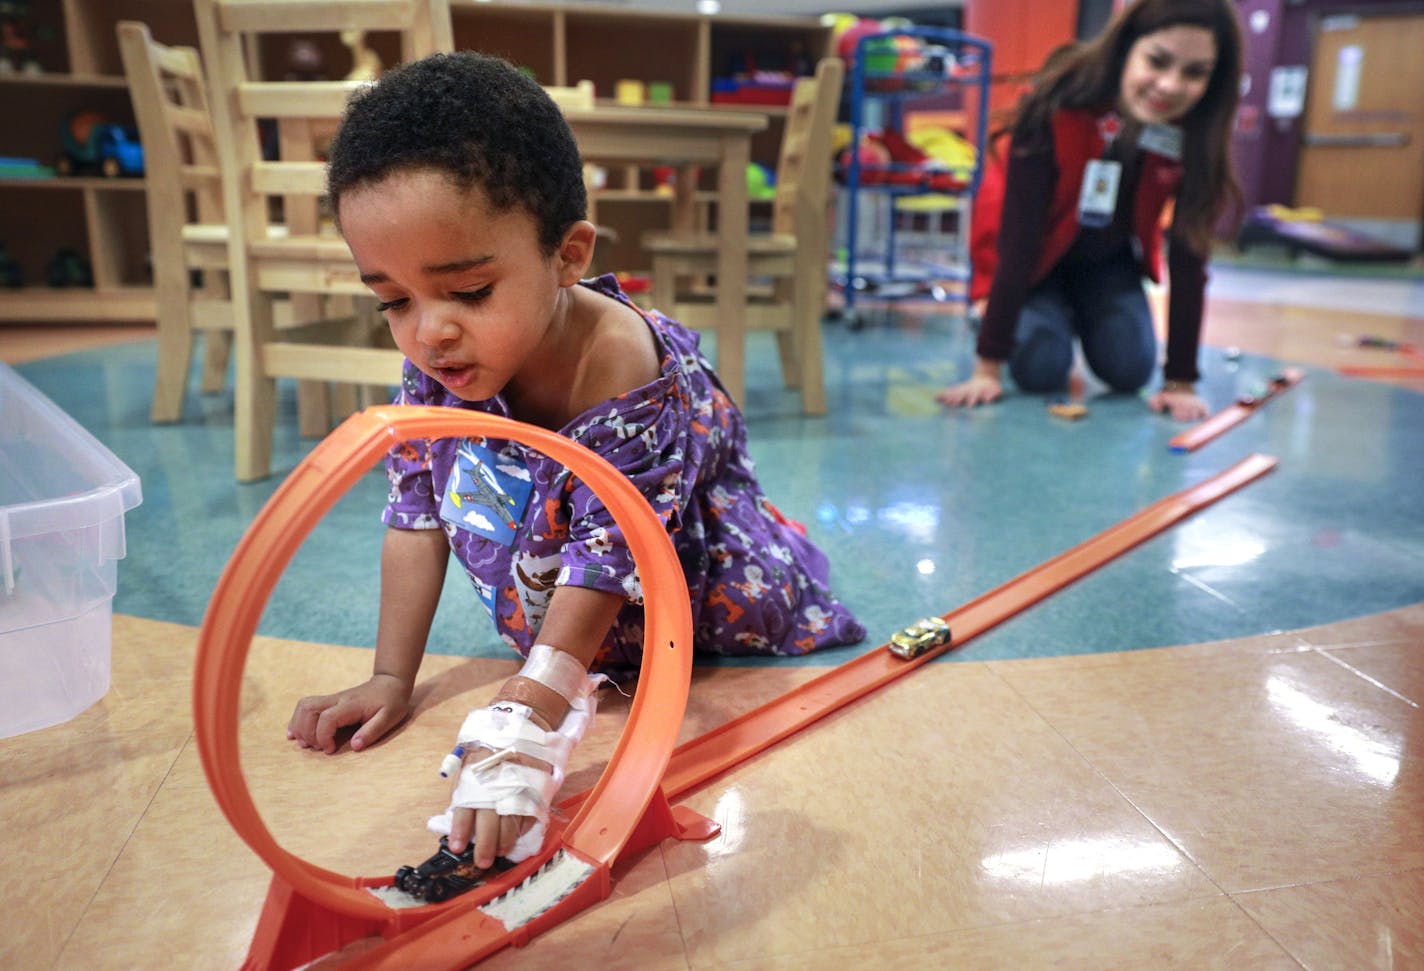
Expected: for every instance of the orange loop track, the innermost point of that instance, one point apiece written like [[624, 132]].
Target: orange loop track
[[311, 912]]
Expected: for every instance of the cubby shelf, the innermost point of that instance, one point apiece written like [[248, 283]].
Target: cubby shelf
[[105, 220]]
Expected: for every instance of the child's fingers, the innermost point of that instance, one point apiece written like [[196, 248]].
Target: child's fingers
[[371, 729], [510, 828], [462, 825], [487, 836], [302, 727], [332, 720]]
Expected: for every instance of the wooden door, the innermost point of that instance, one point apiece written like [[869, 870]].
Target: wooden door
[[1363, 151]]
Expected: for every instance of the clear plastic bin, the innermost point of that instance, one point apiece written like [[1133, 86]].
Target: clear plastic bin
[[63, 496]]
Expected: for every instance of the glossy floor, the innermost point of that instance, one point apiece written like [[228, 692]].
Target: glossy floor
[[918, 510], [1243, 803]]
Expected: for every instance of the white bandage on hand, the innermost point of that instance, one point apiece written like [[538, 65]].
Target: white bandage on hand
[[510, 788]]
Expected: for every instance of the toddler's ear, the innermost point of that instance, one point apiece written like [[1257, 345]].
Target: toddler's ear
[[575, 253]]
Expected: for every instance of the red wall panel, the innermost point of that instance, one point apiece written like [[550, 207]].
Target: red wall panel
[[1023, 33]]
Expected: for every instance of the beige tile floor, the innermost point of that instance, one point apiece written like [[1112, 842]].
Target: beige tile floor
[[1234, 805], [1244, 804]]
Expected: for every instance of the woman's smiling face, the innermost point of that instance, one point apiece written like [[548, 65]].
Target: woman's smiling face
[[1166, 73]]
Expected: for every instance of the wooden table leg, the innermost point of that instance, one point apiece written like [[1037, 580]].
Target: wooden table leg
[[732, 264]]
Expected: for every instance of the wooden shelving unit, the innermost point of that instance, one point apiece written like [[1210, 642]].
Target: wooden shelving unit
[[104, 219]]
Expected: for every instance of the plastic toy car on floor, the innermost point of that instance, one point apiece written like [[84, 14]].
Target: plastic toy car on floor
[[1274, 387], [446, 874], [919, 637]]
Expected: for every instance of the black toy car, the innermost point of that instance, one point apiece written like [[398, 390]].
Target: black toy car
[[446, 874]]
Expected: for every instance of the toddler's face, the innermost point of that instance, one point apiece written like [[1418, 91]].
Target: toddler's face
[[467, 291]]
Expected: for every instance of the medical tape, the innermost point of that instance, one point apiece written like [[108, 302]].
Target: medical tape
[[512, 788], [506, 725], [556, 670]]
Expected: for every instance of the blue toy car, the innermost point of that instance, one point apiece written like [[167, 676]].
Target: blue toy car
[[120, 152], [91, 144]]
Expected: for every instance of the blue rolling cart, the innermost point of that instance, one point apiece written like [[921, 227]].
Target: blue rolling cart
[[894, 73]]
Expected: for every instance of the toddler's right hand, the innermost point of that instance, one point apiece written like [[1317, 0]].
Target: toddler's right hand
[[377, 706]]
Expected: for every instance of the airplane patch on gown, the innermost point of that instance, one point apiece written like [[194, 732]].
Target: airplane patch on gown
[[488, 493]]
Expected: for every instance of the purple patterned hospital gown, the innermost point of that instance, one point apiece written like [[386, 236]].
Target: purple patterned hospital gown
[[521, 524]]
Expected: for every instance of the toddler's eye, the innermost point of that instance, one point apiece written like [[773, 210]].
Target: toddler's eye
[[385, 305], [475, 296]]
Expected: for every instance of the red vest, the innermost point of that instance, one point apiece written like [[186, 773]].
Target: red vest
[[1076, 141]]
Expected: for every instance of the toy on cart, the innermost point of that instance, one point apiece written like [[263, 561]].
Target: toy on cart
[[918, 117], [889, 158], [91, 144]]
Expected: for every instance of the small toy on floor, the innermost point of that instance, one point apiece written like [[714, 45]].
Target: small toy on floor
[[1072, 408], [1262, 394], [1371, 342], [446, 874], [1068, 410]]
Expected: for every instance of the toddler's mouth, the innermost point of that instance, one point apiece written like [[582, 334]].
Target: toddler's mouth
[[454, 375]]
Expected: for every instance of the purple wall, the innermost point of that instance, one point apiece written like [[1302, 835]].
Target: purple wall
[[1257, 137]]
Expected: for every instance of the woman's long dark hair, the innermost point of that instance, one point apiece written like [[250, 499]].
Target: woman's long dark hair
[[1090, 75]]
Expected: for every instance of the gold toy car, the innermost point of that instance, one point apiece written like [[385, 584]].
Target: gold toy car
[[919, 637]]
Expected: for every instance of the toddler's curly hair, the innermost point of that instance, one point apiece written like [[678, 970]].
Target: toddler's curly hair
[[477, 119]]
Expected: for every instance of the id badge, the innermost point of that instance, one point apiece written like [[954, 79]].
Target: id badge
[[1163, 140], [1098, 200]]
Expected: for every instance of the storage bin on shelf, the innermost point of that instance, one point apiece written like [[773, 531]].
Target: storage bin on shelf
[[63, 497], [762, 88], [918, 185]]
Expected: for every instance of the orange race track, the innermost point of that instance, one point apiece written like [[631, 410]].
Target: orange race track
[[311, 912]]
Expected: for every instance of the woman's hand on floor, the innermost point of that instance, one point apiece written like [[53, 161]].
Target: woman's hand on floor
[[1181, 404], [983, 386]]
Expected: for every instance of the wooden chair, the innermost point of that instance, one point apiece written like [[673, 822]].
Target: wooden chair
[[188, 237], [793, 255], [311, 262]]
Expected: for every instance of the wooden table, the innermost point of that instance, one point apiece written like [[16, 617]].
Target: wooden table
[[686, 137]]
